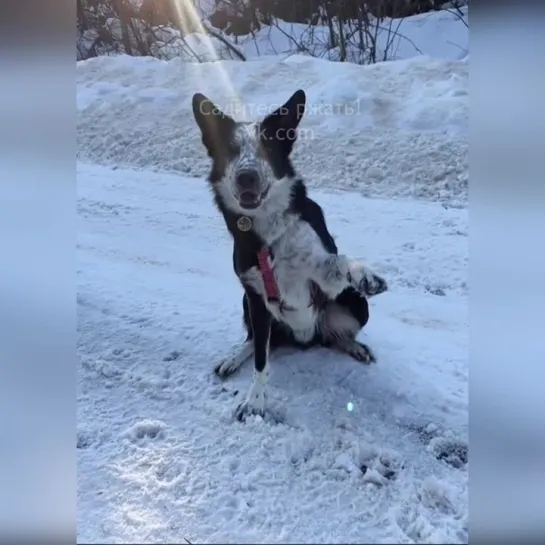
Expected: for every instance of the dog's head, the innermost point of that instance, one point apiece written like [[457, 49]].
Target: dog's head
[[249, 159]]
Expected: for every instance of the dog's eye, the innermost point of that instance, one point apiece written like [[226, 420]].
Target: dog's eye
[[232, 149], [266, 145], [269, 149], [228, 150]]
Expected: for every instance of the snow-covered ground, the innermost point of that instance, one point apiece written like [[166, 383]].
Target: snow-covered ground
[[160, 457]]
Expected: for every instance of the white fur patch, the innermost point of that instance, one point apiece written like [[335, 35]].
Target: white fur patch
[[298, 258], [255, 400]]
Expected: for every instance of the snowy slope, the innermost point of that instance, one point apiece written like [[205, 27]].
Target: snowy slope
[[396, 129], [160, 457]]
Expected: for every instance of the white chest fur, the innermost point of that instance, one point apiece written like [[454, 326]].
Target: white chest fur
[[293, 257]]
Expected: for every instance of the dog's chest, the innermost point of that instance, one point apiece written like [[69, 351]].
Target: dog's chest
[[291, 263]]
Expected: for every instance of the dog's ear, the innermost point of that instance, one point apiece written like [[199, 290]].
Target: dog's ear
[[216, 127], [281, 125]]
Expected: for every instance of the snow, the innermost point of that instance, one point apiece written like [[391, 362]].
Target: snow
[[160, 456], [442, 34], [346, 453], [439, 33], [401, 126]]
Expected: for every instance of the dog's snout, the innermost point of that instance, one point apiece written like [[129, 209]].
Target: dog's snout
[[247, 180]]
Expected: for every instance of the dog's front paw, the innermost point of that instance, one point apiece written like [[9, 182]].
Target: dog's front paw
[[227, 367], [366, 281], [231, 364], [253, 406], [373, 284]]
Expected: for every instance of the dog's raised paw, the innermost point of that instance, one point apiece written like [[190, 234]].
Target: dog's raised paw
[[366, 281], [375, 285], [372, 284]]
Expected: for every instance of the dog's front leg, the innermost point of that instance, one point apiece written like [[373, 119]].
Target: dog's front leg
[[332, 273], [261, 328]]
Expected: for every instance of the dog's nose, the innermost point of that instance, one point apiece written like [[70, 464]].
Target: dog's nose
[[247, 180]]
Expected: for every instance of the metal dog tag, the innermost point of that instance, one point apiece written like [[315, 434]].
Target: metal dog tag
[[244, 223]]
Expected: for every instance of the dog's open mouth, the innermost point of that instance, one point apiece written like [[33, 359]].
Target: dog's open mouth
[[251, 200]]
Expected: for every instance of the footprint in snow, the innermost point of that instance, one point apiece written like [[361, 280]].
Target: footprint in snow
[[172, 356], [146, 430], [84, 440], [452, 451], [444, 446], [377, 467]]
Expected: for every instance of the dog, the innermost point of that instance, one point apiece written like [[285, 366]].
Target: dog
[[299, 291]]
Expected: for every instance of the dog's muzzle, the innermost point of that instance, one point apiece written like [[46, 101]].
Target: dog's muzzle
[[249, 189]]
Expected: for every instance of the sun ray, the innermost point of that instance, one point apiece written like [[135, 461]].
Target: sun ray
[[189, 21]]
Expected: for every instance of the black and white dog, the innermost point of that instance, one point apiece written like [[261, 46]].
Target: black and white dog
[[298, 291]]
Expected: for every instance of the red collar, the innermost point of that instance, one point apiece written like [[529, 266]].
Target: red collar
[[264, 262]]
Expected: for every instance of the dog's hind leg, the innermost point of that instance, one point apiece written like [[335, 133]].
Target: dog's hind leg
[[359, 351], [341, 321], [232, 363]]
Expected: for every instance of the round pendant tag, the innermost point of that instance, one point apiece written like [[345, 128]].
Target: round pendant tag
[[244, 223]]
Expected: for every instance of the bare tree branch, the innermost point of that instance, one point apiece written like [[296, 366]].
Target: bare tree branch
[[224, 41], [361, 31]]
